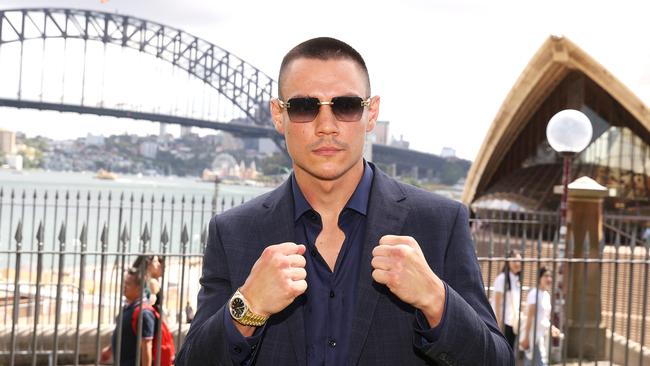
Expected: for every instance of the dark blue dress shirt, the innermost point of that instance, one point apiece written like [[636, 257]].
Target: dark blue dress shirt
[[330, 295], [328, 308]]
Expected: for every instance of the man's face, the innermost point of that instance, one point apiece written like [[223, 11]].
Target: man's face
[[324, 148], [132, 290]]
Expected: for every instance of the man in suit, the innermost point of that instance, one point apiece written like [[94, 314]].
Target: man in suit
[[341, 264]]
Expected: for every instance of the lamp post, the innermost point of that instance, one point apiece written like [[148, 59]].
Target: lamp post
[[568, 132]]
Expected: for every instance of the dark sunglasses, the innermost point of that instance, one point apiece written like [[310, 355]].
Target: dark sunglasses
[[345, 109]]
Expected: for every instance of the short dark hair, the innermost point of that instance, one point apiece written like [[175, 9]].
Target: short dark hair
[[147, 259], [323, 48], [506, 268], [135, 272], [541, 272]]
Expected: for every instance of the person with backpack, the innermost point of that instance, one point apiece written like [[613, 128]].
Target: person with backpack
[[156, 341], [128, 345]]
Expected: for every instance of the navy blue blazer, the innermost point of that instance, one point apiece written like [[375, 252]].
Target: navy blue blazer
[[383, 326]]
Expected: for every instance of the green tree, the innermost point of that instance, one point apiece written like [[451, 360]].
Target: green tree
[[274, 164]]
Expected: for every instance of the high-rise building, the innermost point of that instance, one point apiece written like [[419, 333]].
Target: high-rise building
[[186, 130], [367, 147], [7, 142], [149, 149], [163, 130], [381, 132]]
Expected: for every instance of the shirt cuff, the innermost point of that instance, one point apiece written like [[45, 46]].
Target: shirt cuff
[[428, 335], [241, 348]]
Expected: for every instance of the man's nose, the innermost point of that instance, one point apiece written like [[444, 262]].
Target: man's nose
[[326, 122]]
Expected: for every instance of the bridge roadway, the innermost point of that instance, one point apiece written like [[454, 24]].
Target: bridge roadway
[[234, 128]]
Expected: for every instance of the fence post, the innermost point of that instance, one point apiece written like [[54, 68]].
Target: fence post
[[83, 242], [16, 306], [37, 298], [102, 267], [585, 226], [57, 311]]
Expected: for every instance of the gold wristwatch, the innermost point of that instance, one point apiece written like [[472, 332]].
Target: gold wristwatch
[[242, 313]]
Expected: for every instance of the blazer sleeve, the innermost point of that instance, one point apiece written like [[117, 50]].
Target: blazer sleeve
[[206, 342], [469, 335]]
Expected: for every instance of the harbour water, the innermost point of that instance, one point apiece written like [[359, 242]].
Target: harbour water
[[75, 199], [85, 181]]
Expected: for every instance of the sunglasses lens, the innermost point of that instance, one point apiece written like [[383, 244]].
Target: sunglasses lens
[[347, 109], [303, 109]]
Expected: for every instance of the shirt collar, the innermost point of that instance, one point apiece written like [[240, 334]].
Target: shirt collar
[[358, 201]]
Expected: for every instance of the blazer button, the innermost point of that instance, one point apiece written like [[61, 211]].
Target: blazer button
[[332, 343]]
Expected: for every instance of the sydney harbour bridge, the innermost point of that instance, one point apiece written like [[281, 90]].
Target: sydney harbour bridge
[[107, 64]]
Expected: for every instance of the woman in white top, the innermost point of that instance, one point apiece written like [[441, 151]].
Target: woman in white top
[[538, 321], [508, 283]]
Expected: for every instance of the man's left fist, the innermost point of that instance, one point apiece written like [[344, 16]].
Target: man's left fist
[[399, 264]]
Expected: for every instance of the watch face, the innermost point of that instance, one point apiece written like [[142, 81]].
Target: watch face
[[237, 308]]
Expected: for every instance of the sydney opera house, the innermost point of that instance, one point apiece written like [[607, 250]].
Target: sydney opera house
[[516, 169]]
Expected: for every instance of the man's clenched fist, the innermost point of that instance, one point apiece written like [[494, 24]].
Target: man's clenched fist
[[399, 264], [276, 279]]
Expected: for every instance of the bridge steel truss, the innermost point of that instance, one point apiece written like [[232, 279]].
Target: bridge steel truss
[[248, 88]]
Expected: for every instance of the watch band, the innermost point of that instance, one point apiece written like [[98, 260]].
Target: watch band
[[249, 318], [252, 319]]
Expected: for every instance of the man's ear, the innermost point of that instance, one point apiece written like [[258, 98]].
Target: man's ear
[[373, 113], [276, 115]]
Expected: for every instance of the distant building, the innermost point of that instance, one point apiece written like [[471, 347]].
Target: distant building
[[7, 142], [94, 140], [186, 131], [401, 143], [163, 130], [381, 132], [367, 147], [149, 149], [15, 162], [448, 152]]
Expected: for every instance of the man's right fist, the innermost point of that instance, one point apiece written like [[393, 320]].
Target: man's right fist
[[276, 279]]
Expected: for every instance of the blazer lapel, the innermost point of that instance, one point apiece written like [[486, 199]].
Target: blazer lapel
[[278, 226], [386, 215]]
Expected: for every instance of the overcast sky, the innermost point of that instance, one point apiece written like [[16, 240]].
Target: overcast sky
[[442, 68]]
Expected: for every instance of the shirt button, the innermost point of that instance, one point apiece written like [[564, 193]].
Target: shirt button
[[314, 252], [313, 216], [331, 293], [332, 343], [237, 349]]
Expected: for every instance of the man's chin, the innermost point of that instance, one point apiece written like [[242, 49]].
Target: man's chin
[[325, 172]]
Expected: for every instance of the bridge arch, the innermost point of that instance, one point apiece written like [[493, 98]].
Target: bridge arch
[[248, 88]]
